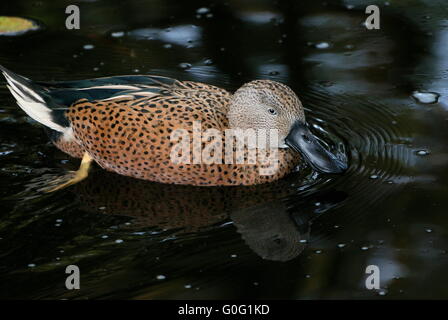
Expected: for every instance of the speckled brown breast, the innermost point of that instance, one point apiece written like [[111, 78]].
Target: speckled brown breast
[[132, 136]]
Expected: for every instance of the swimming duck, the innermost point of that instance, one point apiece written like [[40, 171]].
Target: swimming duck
[[125, 125]]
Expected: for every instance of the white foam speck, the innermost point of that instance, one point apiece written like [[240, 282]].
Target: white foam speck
[[426, 97], [203, 10], [322, 45], [117, 34], [422, 152]]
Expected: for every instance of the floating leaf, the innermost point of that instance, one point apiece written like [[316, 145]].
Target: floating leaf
[[13, 26]]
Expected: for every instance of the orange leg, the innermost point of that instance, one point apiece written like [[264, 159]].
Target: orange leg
[[74, 176]]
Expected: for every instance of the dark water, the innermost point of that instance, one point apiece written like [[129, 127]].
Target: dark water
[[306, 236]]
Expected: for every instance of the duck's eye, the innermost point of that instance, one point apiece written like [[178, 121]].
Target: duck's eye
[[272, 111]]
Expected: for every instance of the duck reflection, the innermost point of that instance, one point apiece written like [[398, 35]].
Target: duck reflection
[[273, 219]]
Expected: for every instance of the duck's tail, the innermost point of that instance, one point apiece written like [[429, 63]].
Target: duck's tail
[[35, 101]]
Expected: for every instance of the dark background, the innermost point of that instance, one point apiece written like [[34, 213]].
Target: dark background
[[306, 236]]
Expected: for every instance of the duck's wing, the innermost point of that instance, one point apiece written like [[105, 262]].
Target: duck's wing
[[68, 92], [130, 87], [48, 102]]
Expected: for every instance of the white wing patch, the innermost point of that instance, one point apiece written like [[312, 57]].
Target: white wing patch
[[17, 85], [129, 91], [35, 107], [118, 87]]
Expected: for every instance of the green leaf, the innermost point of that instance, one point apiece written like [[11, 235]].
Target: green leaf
[[13, 26]]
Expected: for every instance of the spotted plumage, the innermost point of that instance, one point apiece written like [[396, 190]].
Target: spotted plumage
[[126, 124]]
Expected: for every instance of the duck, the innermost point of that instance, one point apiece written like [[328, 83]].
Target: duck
[[128, 125]]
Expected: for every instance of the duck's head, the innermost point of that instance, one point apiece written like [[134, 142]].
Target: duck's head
[[266, 104]]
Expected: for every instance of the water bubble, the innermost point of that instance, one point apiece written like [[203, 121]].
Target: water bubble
[[422, 152], [341, 245], [105, 236], [303, 241], [364, 248], [426, 97], [307, 276], [318, 251], [203, 10], [428, 230], [161, 277], [119, 241], [322, 45], [31, 265], [187, 286], [256, 283], [233, 256], [382, 292], [59, 220], [88, 47], [184, 65], [167, 46], [373, 176], [117, 34]]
